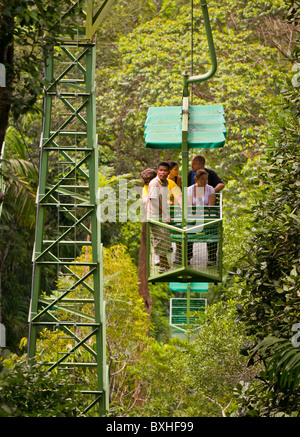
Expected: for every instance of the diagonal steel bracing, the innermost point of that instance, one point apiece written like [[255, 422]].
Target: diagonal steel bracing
[[67, 286]]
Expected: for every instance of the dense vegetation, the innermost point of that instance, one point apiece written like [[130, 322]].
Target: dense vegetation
[[244, 357]]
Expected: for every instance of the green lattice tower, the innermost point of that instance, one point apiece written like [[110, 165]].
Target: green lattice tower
[[2, 182], [67, 285]]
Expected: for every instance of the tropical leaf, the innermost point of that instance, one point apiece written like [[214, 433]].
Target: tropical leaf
[[21, 177], [282, 361]]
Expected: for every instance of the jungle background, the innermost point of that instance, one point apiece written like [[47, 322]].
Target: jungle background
[[244, 359]]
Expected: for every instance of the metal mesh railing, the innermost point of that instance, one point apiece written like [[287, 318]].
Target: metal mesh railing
[[165, 248], [203, 248], [196, 247]]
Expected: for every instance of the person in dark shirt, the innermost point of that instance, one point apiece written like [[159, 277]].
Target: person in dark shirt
[[198, 163]]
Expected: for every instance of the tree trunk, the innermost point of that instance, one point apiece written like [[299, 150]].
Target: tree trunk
[[7, 59], [142, 271]]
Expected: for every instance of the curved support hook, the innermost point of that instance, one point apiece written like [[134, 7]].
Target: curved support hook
[[202, 77]]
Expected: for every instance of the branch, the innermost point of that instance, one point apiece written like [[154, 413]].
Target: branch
[[111, 43], [119, 371], [160, 12], [105, 143], [274, 43], [223, 409]]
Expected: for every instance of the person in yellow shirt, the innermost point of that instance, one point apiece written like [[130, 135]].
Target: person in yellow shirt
[[174, 173], [147, 175]]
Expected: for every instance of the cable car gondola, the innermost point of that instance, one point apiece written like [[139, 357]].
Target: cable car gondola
[[193, 231]]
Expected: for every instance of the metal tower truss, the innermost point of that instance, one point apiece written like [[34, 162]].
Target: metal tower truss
[[67, 289]]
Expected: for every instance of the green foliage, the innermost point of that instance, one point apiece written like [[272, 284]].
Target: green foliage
[[153, 58], [272, 274], [236, 231], [17, 230], [161, 295], [32, 27], [21, 175], [141, 62], [283, 362], [31, 391], [271, 278], [121, 230], [254, 400], [123, 302], [127, 324], [182, 379]]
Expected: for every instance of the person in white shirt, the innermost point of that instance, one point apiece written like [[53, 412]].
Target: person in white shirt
[[160, 188], [200, 193]]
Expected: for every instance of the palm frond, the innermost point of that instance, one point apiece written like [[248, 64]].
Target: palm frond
[[282, 361]]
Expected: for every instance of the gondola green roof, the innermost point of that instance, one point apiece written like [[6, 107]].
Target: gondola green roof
[[198, 287], [163, 127]]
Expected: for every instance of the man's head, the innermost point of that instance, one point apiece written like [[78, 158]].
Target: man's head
[[163, 170], [198, 162]]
